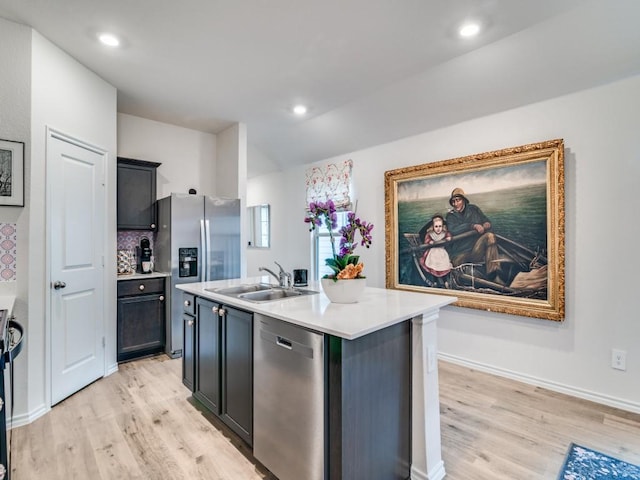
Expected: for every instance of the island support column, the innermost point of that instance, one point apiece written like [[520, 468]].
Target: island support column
[[426, 454]]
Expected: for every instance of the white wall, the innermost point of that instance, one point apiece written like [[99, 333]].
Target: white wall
[[602, 168], [286, 217], [70, 98], [15, 125], [231, 168], [188, 156], [43, 86]]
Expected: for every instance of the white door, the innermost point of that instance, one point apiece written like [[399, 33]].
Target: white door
[[77, 217]]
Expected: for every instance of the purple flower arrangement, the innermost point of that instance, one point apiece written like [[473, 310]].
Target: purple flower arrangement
[[345, 265]]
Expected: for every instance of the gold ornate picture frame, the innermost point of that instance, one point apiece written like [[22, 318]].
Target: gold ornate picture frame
[[486, 228]]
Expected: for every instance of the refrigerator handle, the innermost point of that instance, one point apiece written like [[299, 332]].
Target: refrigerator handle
[[207, 250], [203, 248]]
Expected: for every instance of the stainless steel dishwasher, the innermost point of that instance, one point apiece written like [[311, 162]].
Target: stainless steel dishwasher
[[289, 399]]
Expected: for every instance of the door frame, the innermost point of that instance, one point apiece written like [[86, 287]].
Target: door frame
[[52, 133]]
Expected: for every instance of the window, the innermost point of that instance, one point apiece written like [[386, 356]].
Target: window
[[322, 246], [331, 181]]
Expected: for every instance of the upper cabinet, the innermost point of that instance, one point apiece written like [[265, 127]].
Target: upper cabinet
[[136, 194]]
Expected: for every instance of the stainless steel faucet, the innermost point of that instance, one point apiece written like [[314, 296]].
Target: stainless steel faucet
[[284, 278]]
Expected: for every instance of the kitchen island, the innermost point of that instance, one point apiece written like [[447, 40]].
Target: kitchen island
[[380, 393]]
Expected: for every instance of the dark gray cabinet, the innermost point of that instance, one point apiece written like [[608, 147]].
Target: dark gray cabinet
[[136, 192], [189, 335], [223, 364], [141, 318], [237, 372], [208, 355], [369, 405]]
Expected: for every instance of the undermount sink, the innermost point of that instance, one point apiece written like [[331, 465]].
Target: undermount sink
[[274, 294], [260, 292], [239, 289]]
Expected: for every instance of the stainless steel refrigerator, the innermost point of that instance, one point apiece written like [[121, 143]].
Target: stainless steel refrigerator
[[198, 240]]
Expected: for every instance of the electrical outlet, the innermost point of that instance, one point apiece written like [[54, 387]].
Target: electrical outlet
[[618, 359]]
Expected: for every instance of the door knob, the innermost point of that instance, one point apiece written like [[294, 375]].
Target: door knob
[[58, 284]]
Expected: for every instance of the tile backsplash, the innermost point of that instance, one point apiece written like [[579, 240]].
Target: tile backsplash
[[130, 239], [8, 252]]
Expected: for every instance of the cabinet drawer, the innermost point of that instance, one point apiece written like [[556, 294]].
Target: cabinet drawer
[[139, 287], [189, 303]]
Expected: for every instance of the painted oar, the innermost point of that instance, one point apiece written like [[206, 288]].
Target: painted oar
[[440, 243]]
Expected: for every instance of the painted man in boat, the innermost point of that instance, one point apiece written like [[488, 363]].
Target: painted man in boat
[[481, 248], [481, 259]]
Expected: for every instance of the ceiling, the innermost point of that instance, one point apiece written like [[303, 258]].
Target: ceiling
[[371, 71]]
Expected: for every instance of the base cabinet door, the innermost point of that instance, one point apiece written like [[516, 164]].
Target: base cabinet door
[[140, 326], [208, 354], [237, 372], [188, 351]]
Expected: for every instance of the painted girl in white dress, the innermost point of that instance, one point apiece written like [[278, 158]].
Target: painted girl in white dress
[[436, 259]]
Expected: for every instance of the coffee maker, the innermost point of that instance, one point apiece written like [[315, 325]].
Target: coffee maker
[[144, 256]]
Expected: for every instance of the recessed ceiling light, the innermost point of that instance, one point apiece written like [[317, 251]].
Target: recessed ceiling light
[[109, 39], [300, 110], [469, 30]]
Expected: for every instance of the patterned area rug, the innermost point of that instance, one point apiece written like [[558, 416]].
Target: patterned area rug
[[585, 464]]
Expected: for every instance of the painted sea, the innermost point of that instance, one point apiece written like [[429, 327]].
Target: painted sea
[[517, 213]]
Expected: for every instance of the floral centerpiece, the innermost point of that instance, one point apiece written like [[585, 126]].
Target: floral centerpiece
[[345, 264]]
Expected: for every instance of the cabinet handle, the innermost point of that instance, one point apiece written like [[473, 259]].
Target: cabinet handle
[[214, 309], [153, 225], [187, 303], [221, 312], [161, 298], [190, 323], [141, 287]]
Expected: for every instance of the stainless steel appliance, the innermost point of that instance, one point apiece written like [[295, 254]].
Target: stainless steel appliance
[[198, 240], [289, 399]]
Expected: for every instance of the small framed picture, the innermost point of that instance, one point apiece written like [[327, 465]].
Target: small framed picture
[[11, 173]]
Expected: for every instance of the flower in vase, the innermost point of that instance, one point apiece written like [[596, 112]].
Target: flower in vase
[[345, 264]]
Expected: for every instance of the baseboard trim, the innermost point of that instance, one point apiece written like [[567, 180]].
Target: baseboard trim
[[111, 369], [633, 407], [26, 418], [436, 473]]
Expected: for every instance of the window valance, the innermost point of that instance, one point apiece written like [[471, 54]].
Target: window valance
[[330, 182]]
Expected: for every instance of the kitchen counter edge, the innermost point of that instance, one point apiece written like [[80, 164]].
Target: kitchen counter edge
[[143, 276], [379, 308]]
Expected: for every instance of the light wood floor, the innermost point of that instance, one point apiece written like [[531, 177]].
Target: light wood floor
[[140, 423]]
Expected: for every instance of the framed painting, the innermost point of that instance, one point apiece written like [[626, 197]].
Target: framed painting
[[486, 228], [11, 173]]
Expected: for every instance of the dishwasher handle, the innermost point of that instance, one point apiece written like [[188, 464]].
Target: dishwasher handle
[[291, 345], [284, 343]]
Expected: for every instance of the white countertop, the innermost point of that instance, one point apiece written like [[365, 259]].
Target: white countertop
[[378, 308], [6, 303], [142, 276]]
